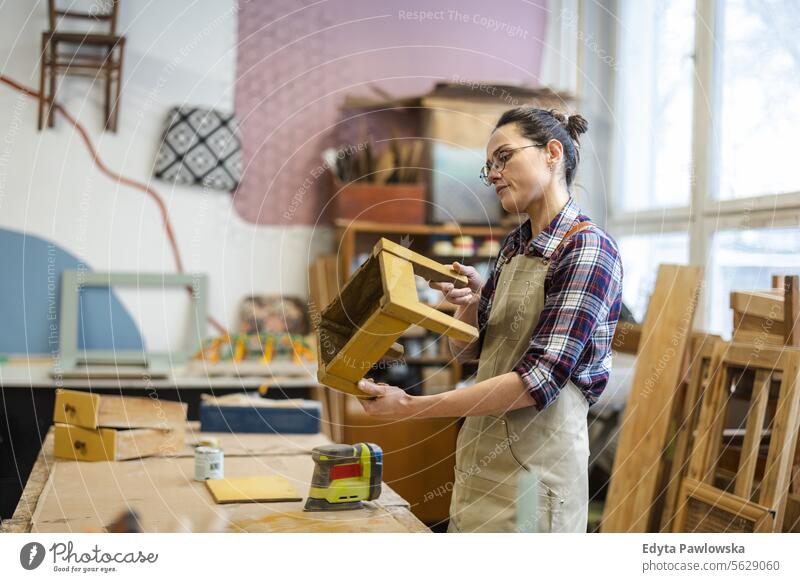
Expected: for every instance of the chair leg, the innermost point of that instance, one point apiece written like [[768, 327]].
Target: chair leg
[[52, 73], [116, 104], [107, 105], [42, 82]]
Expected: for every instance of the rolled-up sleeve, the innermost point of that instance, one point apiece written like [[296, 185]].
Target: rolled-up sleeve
[[576, 326]]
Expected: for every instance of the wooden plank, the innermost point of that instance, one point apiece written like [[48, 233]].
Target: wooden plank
[[252, 489], [764, 305], [665, 335], [719, 512], [752, 438], [754, 355]]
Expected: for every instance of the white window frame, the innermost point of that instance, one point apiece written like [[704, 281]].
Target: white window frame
[[707, 213]]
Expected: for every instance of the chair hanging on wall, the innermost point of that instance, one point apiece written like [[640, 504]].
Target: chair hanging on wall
[[85, 53]]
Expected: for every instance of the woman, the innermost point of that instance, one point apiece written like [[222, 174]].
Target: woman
[[546, 317]]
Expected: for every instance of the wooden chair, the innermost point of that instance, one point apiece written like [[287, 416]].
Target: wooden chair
[[87, 53], [714, 500], [685, 417], [374, 308], [770, 316]]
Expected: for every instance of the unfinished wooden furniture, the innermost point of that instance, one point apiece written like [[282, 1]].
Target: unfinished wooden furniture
[[715, 500], [646, 422], [768, 316], [357, 237], [87, 53], [376, 306], [686, 413]]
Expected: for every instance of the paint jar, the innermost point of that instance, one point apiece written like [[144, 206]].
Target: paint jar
[[208, 463]]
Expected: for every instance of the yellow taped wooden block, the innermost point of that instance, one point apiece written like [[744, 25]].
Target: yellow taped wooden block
[[252, 489], [90, 410], [109, 444], [83, 444], [76, 408]]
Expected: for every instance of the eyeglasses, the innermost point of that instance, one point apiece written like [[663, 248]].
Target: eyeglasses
[[500, 160]]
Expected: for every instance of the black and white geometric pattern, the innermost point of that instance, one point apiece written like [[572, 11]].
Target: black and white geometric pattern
[[201, 147]]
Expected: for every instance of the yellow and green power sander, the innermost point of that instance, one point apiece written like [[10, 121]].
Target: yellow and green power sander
[[345, 476]]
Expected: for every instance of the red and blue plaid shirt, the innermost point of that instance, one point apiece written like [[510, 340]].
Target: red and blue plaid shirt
[[583, 295]]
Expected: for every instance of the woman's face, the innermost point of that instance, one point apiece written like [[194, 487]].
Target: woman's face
[[526, 175]]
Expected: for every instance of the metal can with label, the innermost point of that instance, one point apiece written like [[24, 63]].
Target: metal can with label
[[208, 463]]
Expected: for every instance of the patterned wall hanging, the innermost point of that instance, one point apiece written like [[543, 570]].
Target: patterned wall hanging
[[200, 147]]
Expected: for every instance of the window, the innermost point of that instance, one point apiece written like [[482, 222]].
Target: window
[[641, 255], [747, 259], [706, 116], [655, 103], [760, 87]]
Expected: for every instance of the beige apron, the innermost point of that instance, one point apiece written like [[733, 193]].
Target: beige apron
[[553, 444]]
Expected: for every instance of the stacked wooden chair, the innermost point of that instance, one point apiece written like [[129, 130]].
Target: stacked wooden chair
[[738, 478]]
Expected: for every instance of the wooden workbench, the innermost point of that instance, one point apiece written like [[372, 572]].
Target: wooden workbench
[[27, 397], [72, 496]]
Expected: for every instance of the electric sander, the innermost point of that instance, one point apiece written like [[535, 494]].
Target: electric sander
[[345, 476]]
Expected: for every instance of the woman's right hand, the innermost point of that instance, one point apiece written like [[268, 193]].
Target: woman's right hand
[[465, 295]]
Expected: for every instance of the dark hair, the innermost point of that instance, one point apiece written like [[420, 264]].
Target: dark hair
[[542, 125]]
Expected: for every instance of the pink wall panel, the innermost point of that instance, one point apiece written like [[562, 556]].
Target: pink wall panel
[[298, 59]]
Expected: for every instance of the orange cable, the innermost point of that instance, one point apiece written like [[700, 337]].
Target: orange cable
[[118, 177]]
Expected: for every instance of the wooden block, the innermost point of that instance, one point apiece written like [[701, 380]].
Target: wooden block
[[645, 427], [108, 444], [252, 489], [90, 410]]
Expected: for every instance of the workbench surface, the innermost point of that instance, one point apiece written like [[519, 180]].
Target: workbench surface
[[72, 496]]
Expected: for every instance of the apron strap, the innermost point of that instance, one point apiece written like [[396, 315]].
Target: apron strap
[[577, 228]]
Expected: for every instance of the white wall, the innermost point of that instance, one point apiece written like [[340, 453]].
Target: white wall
[[177, 52]]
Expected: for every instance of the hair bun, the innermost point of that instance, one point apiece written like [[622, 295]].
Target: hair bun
[[576, 126]]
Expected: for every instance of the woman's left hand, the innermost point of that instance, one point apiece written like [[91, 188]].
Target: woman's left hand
[[391, 402]]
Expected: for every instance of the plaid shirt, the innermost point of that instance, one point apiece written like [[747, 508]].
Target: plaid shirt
[[583, 295]]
